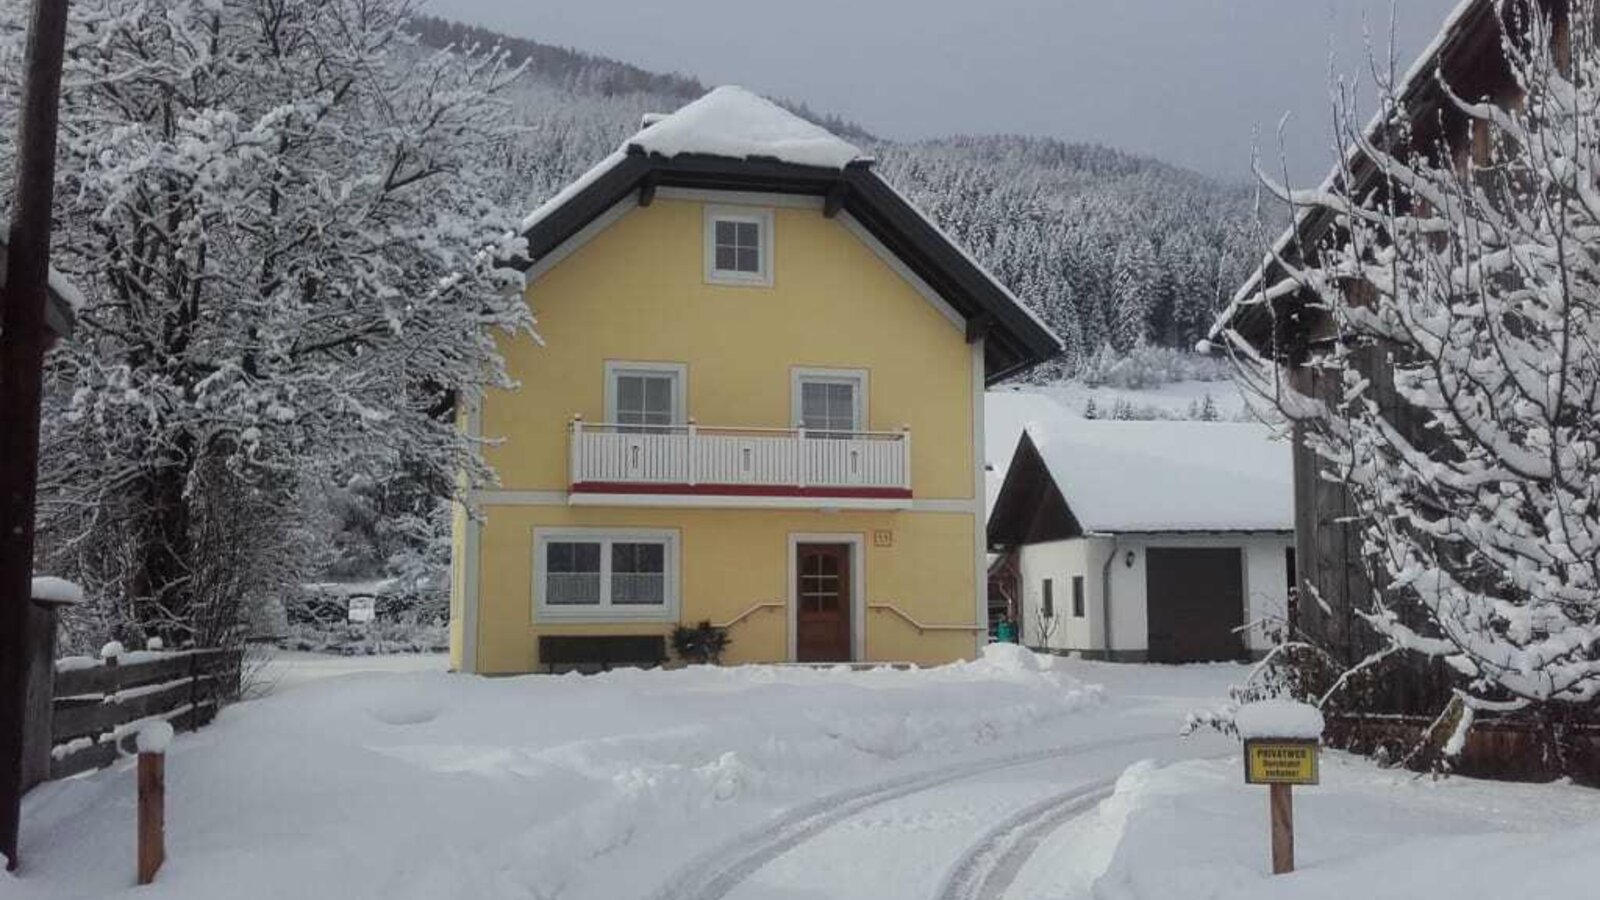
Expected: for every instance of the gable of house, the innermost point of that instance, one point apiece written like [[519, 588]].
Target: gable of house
[[734, 141]]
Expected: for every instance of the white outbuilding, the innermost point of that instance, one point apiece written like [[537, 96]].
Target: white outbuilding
[[1166, 541]]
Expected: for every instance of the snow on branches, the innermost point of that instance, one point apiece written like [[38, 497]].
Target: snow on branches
[[1461, 299], [283, 213]]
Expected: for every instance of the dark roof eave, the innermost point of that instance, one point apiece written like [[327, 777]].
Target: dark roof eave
[[1158, 532]]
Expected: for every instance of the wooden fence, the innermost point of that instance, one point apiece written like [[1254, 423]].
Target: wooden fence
[[99, 706], [1507, 748]]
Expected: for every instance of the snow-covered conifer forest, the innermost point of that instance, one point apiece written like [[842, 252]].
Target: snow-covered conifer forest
[[289, 248]]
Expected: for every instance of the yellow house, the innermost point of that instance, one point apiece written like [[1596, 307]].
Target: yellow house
[[757, 402]]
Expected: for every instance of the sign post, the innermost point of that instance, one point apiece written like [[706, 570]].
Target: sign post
[[1282, 739], [1281, 763]]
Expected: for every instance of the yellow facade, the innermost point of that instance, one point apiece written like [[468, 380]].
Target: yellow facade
[[635, 290]]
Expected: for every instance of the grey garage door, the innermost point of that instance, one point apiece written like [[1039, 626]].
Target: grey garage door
[[1195, 597]]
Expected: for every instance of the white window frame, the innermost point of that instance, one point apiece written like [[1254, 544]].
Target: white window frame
[[604, 611], [763, 220], [680, 385], [858, 377]]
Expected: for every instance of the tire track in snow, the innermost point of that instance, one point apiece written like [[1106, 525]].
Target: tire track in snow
[[713, 875], [989, 867]]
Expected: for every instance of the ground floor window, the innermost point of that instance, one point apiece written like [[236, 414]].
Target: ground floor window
[[604, 574]]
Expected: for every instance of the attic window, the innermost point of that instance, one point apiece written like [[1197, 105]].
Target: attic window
[[739, 246]]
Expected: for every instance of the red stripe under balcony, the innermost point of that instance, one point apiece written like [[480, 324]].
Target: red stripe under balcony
[[739, 466]]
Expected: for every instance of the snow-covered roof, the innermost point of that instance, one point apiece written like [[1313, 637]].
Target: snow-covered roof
[[1252, 292], [735, 123], [728, 122], [1131, 477]]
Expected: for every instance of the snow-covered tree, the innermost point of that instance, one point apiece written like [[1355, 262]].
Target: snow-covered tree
[[1462, 301], [282, 214]]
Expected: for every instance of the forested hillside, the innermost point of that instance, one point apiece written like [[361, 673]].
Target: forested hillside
[[1110, 248]]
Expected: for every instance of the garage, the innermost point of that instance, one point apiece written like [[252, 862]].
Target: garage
[[1196, 603]]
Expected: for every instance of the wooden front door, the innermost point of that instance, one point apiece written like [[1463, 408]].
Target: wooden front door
[[822, 598]]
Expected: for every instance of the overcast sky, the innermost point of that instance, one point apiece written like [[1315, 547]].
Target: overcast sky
[[1189, 81]]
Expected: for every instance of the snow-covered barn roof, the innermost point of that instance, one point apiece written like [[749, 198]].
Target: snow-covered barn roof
[[63, 299], [1469, 28], [1122, 477], [732, 139]]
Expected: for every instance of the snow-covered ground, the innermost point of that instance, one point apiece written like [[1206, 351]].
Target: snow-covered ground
[[980, 780], [1177, 400], [283, 670], [1191, 830]]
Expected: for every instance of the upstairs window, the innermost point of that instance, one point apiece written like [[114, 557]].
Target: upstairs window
[[644, 396], [738, 246], [830, 403]]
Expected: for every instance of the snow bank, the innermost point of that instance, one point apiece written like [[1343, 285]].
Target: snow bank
[[1193, 830], [400, 785], [56, 590], [1279, 719]]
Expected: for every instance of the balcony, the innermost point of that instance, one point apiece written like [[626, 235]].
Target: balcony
[[700, 465]]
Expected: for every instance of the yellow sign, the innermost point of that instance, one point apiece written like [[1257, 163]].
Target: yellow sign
[[1272, 761], [883, 537]]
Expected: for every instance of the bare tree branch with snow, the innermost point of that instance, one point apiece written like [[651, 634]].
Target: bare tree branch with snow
[[1461, 294], [282, 214]]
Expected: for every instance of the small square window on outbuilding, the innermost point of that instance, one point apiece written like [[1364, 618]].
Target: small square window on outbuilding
[[738, 246]]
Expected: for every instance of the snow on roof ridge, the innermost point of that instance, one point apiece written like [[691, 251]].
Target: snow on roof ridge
[[737, 123], [727, 121]]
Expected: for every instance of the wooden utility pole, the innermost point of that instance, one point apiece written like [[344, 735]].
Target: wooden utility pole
[[22, 345]]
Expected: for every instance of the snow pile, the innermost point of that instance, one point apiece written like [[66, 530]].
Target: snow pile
[[1194, 830], [154, 737], [1279, 718], [735, 123], [419, 785], [113, 650], [50, 589]]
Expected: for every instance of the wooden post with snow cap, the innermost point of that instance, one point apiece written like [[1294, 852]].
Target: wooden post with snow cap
[[1281, 740], [152, 743]]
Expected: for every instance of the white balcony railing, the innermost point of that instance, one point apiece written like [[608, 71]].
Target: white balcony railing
[[699, 459]]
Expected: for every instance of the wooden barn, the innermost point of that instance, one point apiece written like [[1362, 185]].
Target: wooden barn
[[1467, 55]]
